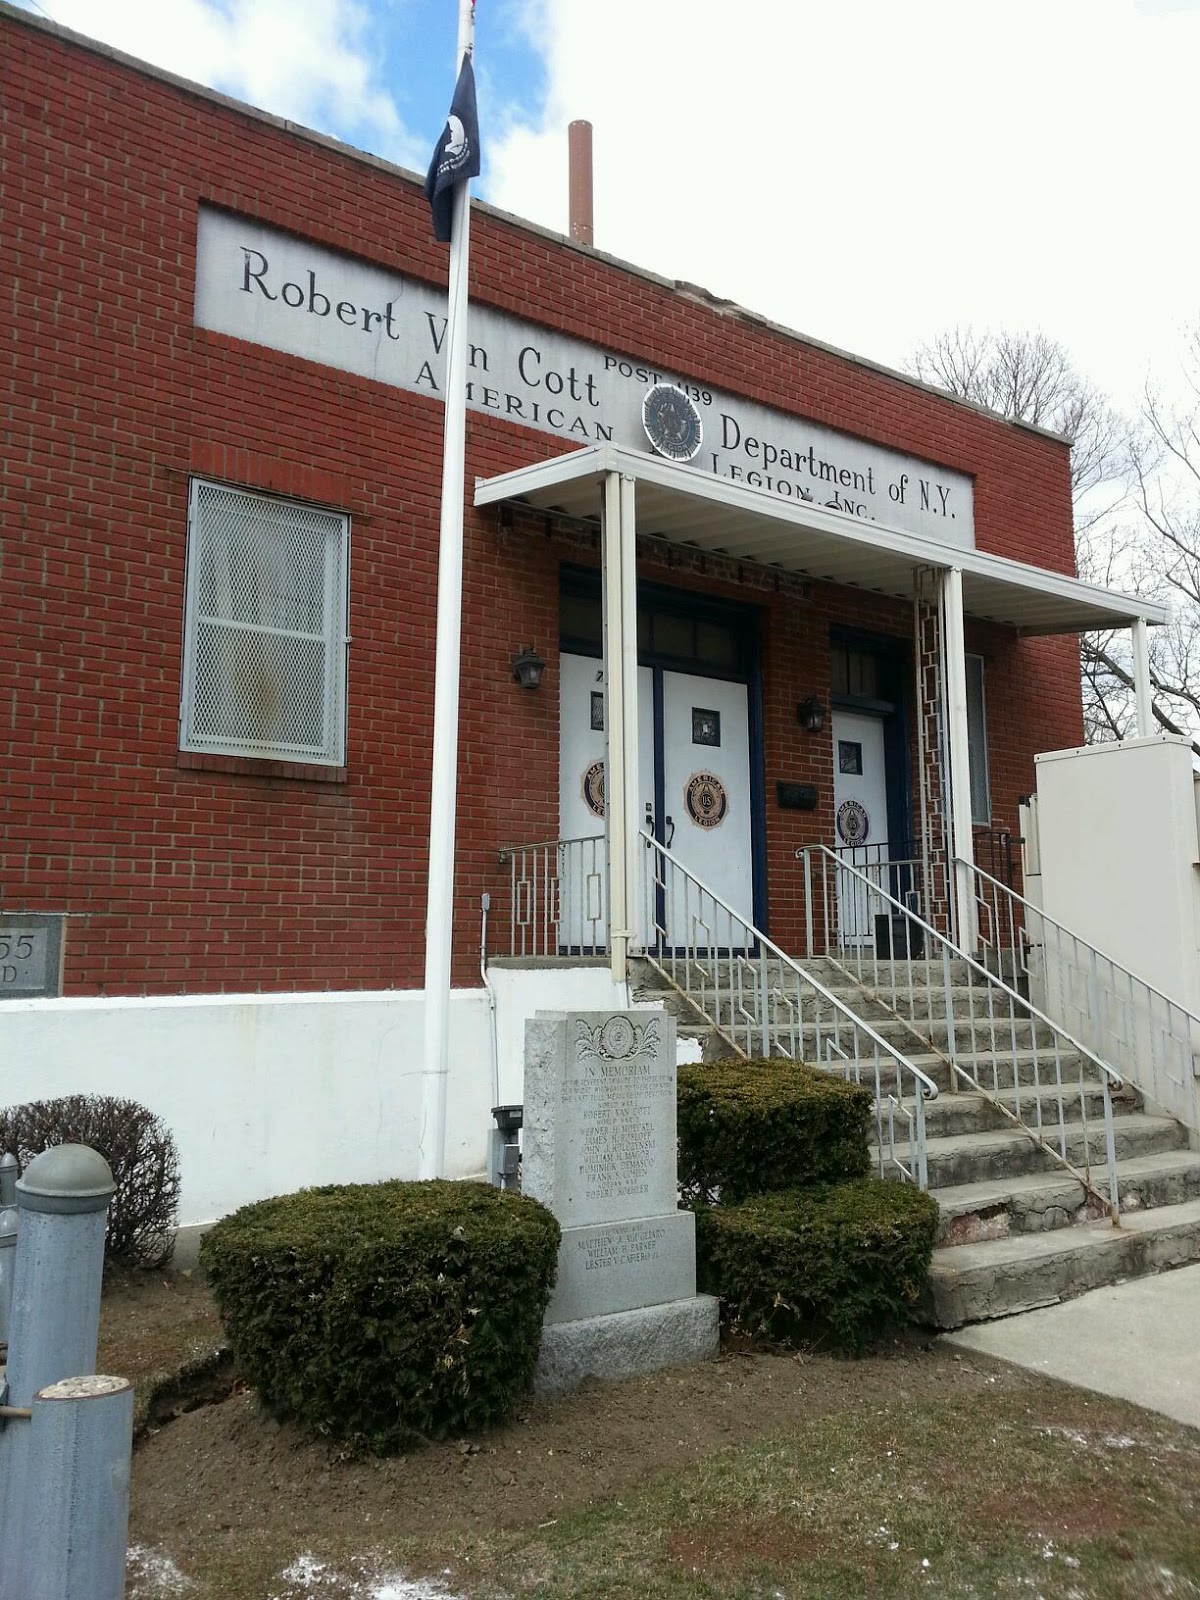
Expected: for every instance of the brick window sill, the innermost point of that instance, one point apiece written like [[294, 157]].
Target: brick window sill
[[256, 767]]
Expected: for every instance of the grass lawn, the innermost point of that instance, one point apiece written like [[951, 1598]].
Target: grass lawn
[[917, 1471]]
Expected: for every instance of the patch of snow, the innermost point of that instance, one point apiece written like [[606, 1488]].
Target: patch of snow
[[153, 1573], [1071, 1434], [1119, 1441], [308, 1576], [307, 1570], [398, 1587]]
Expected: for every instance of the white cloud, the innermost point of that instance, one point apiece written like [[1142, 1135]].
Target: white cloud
[[308, 60], [872, 173]]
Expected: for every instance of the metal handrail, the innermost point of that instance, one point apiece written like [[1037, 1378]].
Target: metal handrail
[[557, 896], [1155, 1038], [988, 1005], [764, 1003]]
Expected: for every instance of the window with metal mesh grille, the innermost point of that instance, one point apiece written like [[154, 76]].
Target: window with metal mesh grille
[[264, 655]]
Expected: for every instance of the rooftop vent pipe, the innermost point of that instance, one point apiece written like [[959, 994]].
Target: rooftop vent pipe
[[579, 142]]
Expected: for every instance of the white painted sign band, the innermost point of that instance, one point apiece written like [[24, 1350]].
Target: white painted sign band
[[255, 283]]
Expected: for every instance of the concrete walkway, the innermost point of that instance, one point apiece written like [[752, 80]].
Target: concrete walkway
[[1138, 1341]]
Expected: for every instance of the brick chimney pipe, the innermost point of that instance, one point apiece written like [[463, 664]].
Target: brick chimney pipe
[[579, 140]]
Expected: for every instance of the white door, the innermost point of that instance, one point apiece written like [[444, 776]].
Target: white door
[[704, 736], [706, 805], [582, 865], [582, 906], [860, 821]]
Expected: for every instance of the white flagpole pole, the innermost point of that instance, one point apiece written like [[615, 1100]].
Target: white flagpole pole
[[439, 915]]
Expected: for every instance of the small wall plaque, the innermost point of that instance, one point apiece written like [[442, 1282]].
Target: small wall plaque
[[31, 954], [796, 796]]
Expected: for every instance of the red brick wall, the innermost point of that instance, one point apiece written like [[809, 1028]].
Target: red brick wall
[[183, 877]]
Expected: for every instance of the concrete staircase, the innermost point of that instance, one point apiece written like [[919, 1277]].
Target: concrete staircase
[[1017, 1230]]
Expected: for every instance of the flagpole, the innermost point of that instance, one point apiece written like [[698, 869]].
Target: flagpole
[[439, 915]]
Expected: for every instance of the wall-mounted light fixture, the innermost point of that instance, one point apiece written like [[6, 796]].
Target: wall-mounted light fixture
[[810, 714], [527, 667]]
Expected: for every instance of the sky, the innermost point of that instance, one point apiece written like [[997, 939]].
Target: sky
[[867, 172]]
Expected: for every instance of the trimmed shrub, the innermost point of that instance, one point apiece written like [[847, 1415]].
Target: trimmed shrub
[[137, 1146], [386, 1314], [837, 1264], [746, 1127]]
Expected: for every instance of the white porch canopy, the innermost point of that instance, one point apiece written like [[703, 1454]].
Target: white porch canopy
[[690, 506], [627, 493]]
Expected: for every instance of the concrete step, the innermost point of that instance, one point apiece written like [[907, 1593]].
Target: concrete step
[[998, 1030], [976, 1157], [970, 1112], [971, 1213], [983, 1039], [998, 1076], [981, 1035], [999, 1277], [885, 974]]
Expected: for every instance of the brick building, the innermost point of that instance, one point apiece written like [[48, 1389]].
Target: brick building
[[782, 600], [223, 356]]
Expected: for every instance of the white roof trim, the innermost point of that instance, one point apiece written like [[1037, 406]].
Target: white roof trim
[[696, 508]]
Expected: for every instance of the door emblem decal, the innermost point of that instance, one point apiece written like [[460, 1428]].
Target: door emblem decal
[[706, 800], [593, 788], [853, 823]]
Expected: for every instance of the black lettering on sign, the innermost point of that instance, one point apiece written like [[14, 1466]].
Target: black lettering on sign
[[257, 275], [435, 333]]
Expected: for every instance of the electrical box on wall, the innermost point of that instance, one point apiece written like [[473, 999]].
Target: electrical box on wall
[[796, 796]]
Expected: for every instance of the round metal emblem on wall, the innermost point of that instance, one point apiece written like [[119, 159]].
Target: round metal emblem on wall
[[593, 788], [853, 823], [706, 800], [672, 422]]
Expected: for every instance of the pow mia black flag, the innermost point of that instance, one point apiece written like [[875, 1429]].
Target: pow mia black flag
[[456, 157]]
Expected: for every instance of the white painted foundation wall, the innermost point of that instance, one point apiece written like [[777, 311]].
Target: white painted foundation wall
[[270, 1093]]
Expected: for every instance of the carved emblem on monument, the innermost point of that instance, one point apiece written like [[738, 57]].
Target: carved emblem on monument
[[616, 1039]]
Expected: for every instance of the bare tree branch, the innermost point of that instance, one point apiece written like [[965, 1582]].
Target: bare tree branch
[[1145, 540]]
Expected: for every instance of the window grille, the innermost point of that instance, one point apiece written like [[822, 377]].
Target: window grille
[[264, 656]]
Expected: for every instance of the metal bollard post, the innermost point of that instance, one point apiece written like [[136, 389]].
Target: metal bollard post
[[54, 1319], [80, 1443], [9, 1171], [8, 1262]]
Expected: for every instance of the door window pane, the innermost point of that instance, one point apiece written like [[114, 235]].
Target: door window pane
[[850, 756], [981, 802]]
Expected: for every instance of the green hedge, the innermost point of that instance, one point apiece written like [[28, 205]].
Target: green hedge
[[836, 1265], [746, 1127], [386, 1314]]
